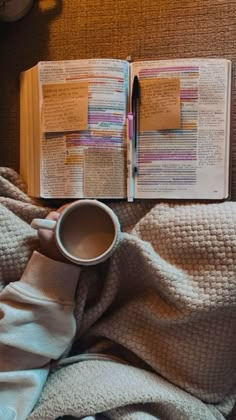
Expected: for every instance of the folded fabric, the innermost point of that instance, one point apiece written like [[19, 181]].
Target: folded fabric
[[164, 303]]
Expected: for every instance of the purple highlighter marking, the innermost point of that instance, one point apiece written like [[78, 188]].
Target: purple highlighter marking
[[97, 118], [168, 155], [149, 160], [192, 69]]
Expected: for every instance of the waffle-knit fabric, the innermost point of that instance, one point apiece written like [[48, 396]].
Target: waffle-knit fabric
[[165, 303]]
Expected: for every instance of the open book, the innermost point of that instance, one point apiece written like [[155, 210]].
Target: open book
[[74, 141]]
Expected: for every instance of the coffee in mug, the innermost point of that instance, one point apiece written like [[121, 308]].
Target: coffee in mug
[[86, 232]]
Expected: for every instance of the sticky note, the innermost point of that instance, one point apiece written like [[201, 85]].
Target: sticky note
[[159, 104], [65, 107]]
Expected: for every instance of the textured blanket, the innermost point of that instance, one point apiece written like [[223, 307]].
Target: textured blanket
[[155, 324]]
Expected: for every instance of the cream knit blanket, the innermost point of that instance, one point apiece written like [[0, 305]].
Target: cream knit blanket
[[164, 307]]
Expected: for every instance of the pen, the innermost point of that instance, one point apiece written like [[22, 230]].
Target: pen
[[135, 111]]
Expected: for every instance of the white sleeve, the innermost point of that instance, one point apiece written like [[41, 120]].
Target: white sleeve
[[36, 325]]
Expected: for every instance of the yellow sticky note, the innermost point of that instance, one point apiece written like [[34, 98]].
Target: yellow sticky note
[[160, 104], [65, 107]]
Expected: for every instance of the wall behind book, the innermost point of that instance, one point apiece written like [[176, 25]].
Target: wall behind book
[[70, 29]]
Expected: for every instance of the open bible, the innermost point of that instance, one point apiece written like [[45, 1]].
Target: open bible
[[75, 140]]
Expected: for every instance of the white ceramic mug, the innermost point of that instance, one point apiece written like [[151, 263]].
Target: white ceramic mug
[[86, 232]]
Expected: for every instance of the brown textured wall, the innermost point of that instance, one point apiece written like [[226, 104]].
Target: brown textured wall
[[69, 29]]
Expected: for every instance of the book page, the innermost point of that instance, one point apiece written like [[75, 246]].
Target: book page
[[107, 107], [65, 107], [192, 161], [57, 177], [104, 173]]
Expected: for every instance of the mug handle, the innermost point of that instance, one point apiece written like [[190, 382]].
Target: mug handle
[[43, 224]]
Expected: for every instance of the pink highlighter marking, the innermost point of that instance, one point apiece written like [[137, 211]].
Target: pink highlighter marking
[[130, 125]]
